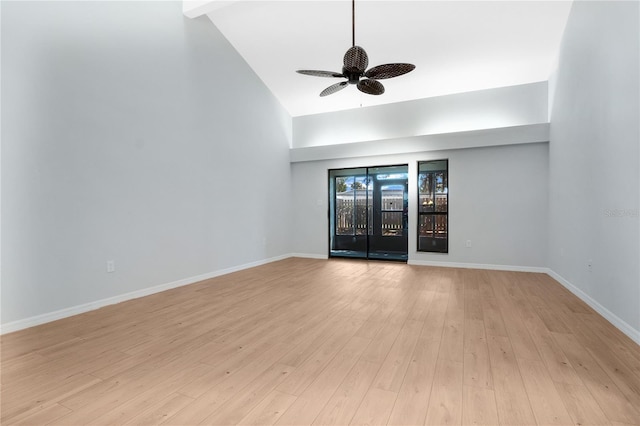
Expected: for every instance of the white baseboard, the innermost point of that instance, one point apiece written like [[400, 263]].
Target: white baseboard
[[80, 309], [447, 264], [310, 256], [621, 325], [537, 269]]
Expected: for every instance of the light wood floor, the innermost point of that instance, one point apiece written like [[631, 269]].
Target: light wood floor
[[330, 342]]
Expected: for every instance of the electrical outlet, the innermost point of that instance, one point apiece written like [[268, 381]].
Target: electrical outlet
[[111, 266], [590, 265], [468, 243]]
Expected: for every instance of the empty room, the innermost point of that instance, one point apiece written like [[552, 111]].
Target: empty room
[[333, 212]]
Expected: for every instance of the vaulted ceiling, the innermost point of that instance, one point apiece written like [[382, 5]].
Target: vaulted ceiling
[[457, 46]]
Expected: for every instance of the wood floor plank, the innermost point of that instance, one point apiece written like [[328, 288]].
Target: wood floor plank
[[225, 360], [223, 390], [312, 400], [491, 314], [555, 360], [151, 396], [269, 410], [44, 416], [457, 290], [163, 409], [392, 371], [452, 344], [249, 396], [307, 372], [445, 401], [413, 397], [512, 401], [492, 317], [546, 403], [434, 322], [310, 343], [551, 322], [472, 297], [421, 308], [41, 394], [476, 364], [624, 378], [344, 403], [375, 408], [583, 409], [381, 343], [508, 301], [610, 399], [624, 348], [478, 406], [116, 400]]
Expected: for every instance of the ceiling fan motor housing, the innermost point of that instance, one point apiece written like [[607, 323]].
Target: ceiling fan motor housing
[[352, 74]]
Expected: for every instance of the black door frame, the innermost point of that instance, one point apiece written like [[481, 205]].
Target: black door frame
[[365, 241]]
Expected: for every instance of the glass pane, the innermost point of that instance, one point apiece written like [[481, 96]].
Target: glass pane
[[392, 197], [391, 224], [370, 208], [352, 197], [426, 225], [440, 229], [389, 172], [440, 183], [344, 206], [441, 191], [433, 233], [441, 203], [361, 188], [425, 193], [432, 166]]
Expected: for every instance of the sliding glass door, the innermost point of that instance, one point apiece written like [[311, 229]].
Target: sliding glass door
[[368, 212], [351, 198]]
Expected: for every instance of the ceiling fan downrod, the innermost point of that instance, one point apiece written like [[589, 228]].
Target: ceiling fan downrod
[[353, 22]]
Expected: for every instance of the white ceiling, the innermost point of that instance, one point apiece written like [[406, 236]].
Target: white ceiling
[[457, 46]]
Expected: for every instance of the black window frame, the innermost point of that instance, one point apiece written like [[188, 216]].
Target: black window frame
[[438, 249]]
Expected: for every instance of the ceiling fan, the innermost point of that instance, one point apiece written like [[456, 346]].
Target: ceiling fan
[[355, 70]]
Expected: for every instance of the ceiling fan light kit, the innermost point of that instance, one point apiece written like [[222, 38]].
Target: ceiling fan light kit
[[354, 69]]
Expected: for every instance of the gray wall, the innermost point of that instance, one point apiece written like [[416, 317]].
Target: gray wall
[[498, 200], [498, 194], [131, 134], [483, 109], [594, 182]]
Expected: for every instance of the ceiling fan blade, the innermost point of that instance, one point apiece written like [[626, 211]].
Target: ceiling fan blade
[[334, 88], [317, 73], [356, 59], [370, 87], [389, 70]]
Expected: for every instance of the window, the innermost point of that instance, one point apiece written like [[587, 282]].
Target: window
[[433, 206]]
